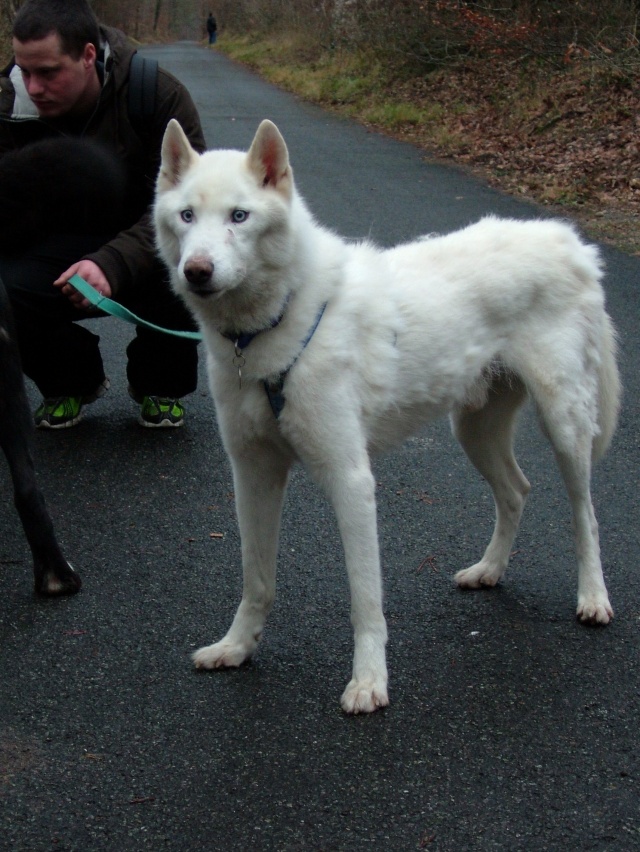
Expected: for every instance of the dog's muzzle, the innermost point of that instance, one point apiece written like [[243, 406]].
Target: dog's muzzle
[[199, 274]]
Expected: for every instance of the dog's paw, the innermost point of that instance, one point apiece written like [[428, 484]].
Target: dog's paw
[[222, 655], [478, 576], [594, 609], [364, 697], [61, 580]]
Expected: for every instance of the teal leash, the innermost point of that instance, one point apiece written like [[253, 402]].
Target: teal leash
[[117, 310], [274, 388]]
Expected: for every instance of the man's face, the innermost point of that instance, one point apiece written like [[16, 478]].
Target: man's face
[[56, 83]]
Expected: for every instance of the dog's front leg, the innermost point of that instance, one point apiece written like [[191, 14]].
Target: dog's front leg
[[260, 475], [351, 489], [52, 574]]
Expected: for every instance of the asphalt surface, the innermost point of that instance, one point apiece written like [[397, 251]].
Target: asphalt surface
[[511, 726]]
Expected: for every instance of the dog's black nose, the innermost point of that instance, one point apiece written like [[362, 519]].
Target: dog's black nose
[[198, 271]]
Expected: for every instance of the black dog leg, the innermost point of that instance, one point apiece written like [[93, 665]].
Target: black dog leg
[[52, 573]]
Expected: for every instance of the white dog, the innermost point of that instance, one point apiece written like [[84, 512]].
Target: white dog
[[324, 351]]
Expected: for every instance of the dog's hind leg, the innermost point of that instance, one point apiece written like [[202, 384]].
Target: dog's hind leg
[[593, 601], [52, 574], [260, 479], [486, 435], [571, 432]]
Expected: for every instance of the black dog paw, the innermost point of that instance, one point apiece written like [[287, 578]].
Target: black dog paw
[[55, 581]]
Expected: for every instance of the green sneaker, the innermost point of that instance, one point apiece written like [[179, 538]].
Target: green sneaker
[[61, 412], [158, 411]]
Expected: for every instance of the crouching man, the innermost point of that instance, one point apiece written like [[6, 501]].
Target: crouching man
[[70, 79]]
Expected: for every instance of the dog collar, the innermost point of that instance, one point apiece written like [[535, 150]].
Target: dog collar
[[273, 387], [242, 339]]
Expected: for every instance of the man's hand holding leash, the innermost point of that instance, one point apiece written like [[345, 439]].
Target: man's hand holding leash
[[92, 274]]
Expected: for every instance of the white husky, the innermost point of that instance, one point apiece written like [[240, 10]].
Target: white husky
[[323, 351]]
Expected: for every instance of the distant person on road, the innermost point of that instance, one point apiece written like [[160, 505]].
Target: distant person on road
[[70, 78], [212, 28]]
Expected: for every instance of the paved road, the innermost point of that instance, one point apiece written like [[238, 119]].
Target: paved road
[[511, 726]]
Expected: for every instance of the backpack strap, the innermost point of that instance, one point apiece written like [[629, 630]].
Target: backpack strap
[[143, 82]]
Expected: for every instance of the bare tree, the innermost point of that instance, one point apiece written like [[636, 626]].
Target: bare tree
[[156, 16], [8, 9]]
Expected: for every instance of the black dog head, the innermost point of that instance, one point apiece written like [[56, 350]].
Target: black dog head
[[62, 185]]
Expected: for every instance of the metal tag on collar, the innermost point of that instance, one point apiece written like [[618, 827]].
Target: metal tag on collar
[[238, 361]]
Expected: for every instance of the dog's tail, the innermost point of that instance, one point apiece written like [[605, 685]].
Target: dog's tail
[[609, 390]]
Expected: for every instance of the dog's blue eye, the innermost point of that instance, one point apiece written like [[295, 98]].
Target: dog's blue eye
[[186, 215], [239, 216]]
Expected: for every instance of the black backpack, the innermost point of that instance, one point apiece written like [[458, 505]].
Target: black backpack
[[143, 83]]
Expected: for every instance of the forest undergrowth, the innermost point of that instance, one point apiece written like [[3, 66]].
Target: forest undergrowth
[[566, 138]]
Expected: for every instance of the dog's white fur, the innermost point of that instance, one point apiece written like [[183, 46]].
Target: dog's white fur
[[466, 324]]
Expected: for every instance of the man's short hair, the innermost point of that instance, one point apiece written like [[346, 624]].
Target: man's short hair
[[72, 20]]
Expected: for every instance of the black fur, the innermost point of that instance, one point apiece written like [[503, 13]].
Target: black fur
[[54, 186], [52, 573], [62, 185]]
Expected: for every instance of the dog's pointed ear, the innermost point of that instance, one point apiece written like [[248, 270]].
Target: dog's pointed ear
[[268, 159], [177, 156]]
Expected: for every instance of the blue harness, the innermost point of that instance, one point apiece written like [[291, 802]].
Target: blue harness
[[274, 388]]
